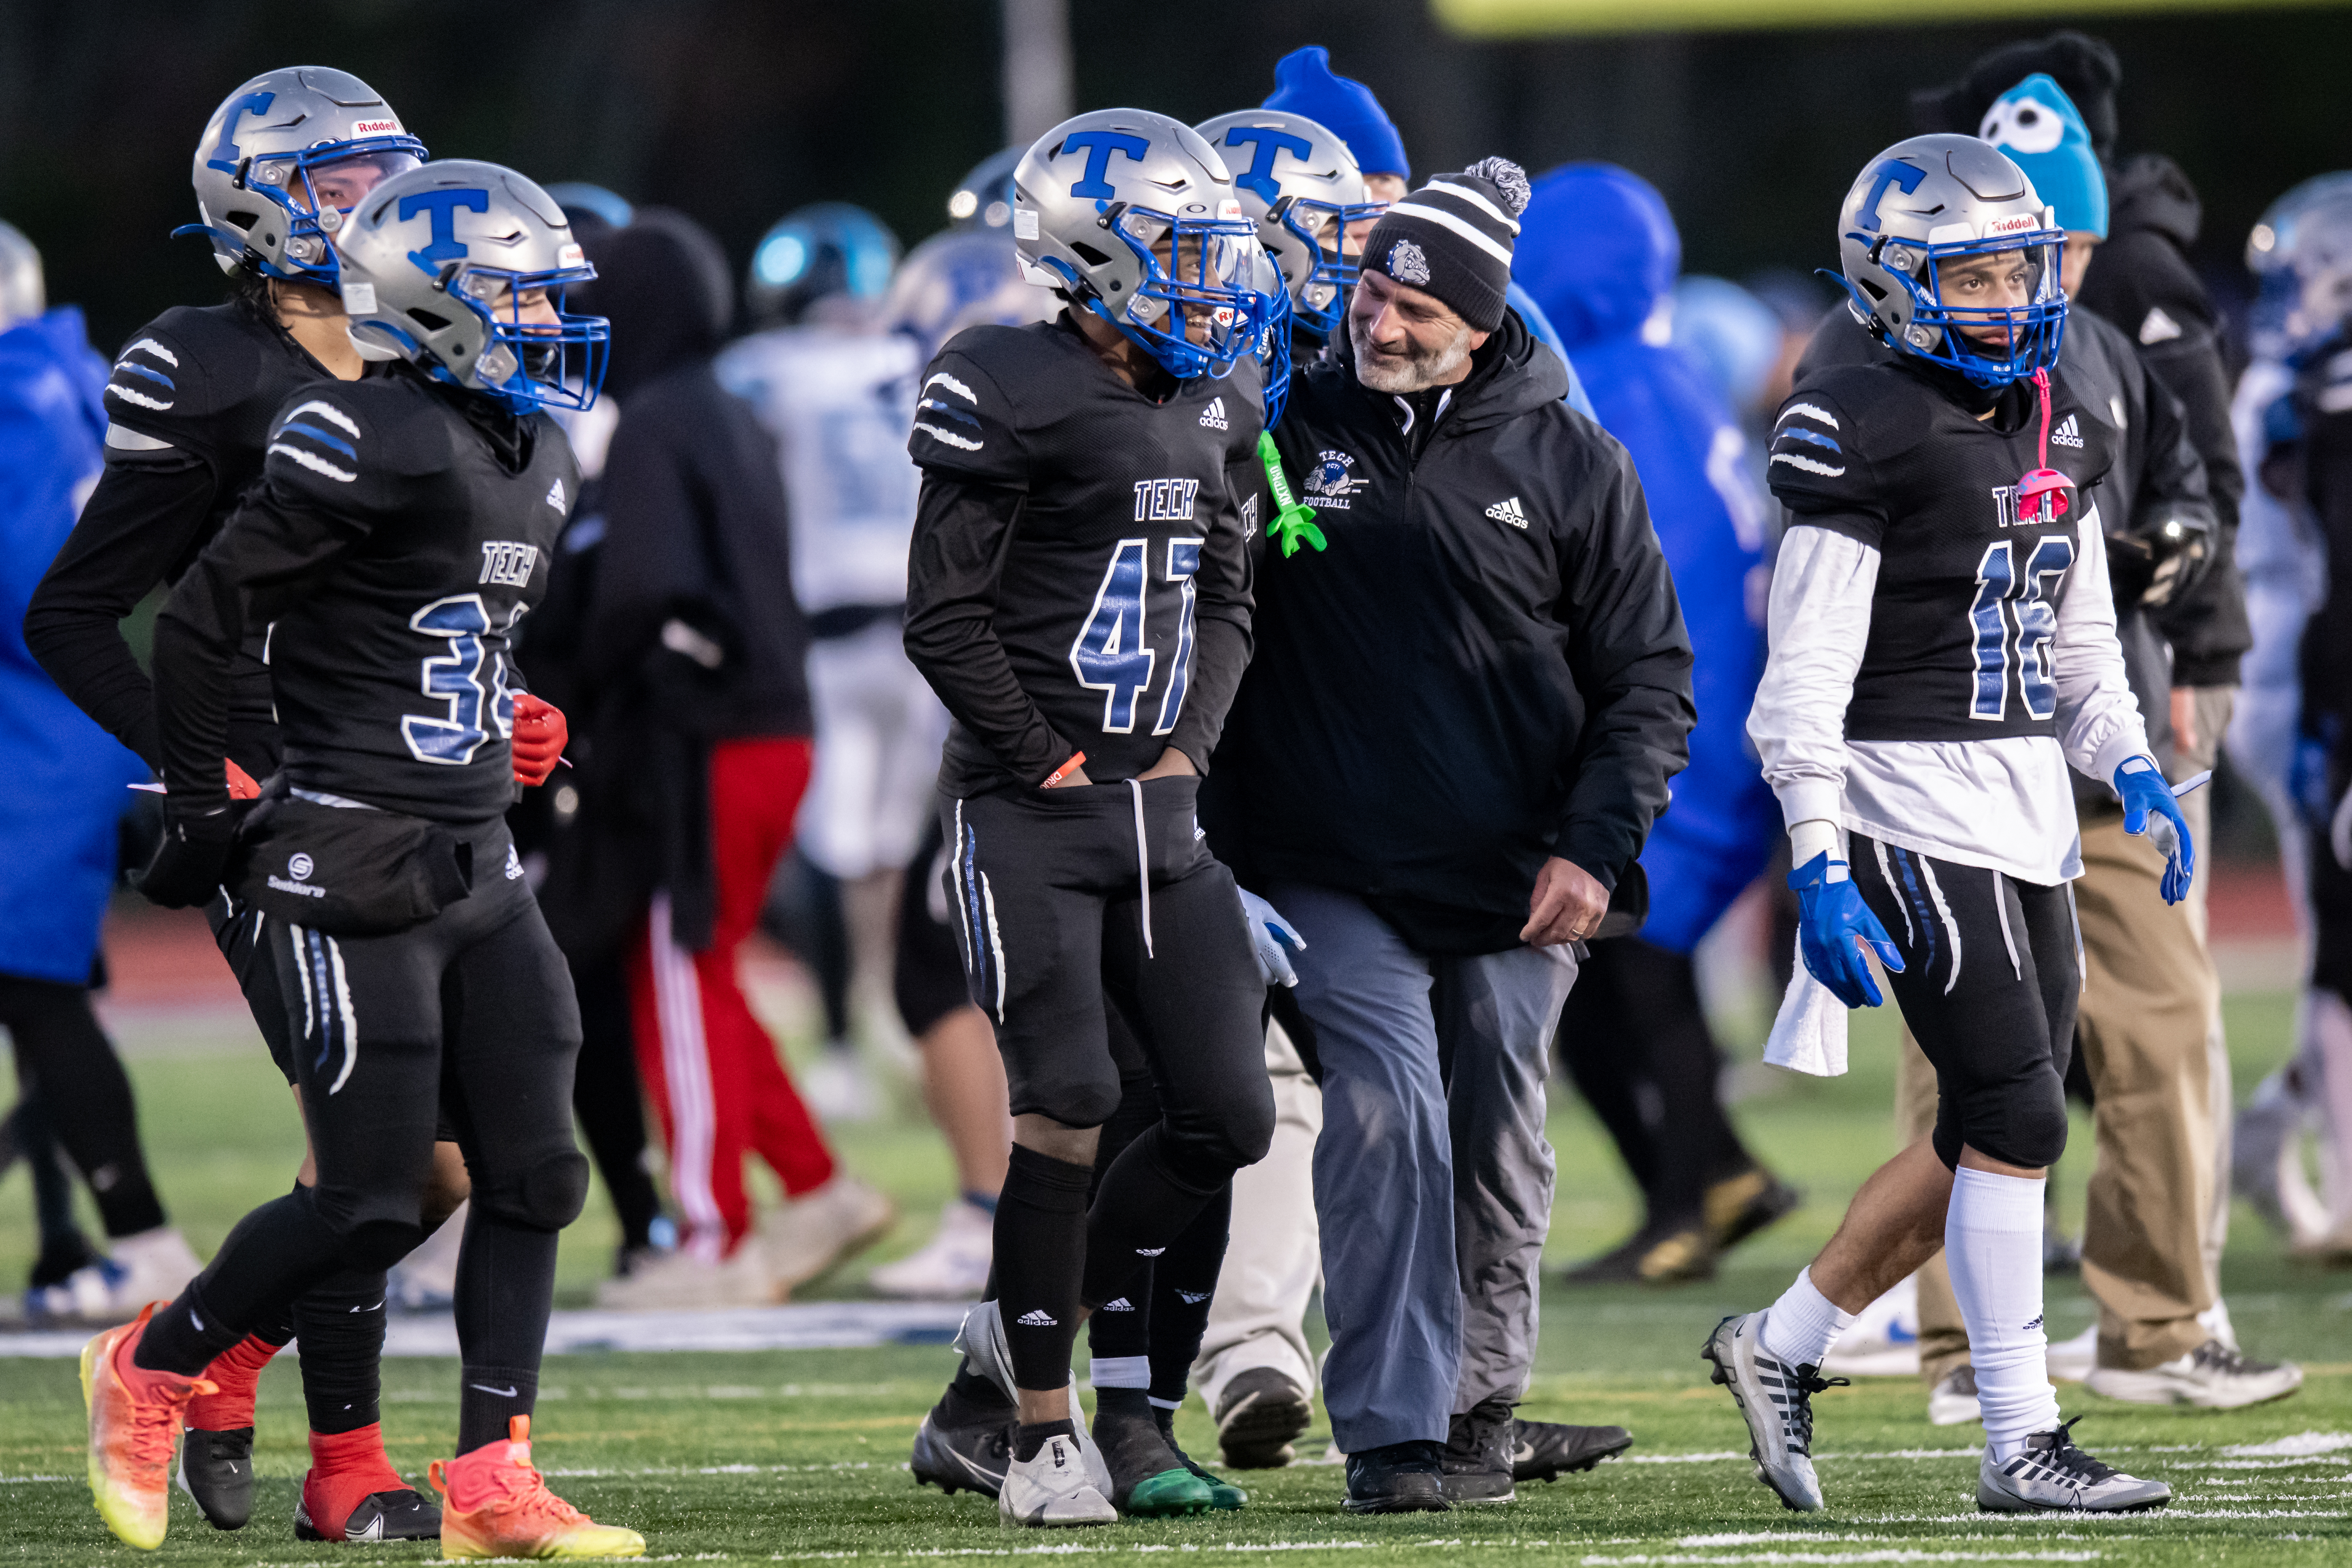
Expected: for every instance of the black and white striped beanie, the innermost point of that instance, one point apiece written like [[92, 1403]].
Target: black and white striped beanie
[[1452, 238]]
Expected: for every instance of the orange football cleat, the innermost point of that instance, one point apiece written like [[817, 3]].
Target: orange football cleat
[[493, 1503], [134, 1427]]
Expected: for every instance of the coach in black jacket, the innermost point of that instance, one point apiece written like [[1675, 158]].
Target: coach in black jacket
[[1457, 729]]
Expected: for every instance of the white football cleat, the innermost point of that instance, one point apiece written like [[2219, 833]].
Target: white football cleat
[[951, 1266], [151, 1266], [1777, 1402], [2050, 1475], [2210, 1378], [981, 1341], [1953, 1401], [1057, 1488], [818, 1230]]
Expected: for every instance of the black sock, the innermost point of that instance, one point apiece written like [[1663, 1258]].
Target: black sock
[[185, 1336], [1041, 1241], [506, 1286], [341, 1323], [1182, 1288], [970, 1399], [1141, 1206], [1031, 1437], [1129, 1437], [1121, 1326]]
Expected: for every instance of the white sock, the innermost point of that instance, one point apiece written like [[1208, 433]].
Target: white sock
[[1119, 1372], [1992, 1244], [1804, 1324]]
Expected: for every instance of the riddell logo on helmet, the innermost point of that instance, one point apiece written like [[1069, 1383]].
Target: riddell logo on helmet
[[2016, 223], [375, 127]]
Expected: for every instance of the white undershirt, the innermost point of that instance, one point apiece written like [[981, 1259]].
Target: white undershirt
[[2004, 802]]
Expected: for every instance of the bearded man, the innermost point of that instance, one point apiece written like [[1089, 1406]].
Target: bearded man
[[1458, 727]]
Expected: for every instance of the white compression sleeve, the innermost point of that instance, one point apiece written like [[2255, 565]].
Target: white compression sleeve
[[1993, 1244]]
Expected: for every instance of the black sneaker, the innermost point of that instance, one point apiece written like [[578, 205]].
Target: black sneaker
[[1477, 1463], [1547, 1450], [216, 1470], [1149, 1479], [1398, 1478], [962, 1455], [405, 1514], [1738, 1207], [1258, 1414], [1224, 1496], [1668, 1257]]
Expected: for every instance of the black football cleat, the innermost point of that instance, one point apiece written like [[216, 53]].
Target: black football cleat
[[216, 1470], [967, 1457], [1547, 1450], [405, 1514]]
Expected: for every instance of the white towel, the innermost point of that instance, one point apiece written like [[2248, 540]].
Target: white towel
[[1809, 1035]]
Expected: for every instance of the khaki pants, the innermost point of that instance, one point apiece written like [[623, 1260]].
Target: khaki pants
[[2149, 997]]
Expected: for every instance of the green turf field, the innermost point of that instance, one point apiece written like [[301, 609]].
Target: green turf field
[[800, 1456]]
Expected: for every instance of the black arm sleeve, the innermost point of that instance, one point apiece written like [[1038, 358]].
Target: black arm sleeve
[[962, 533], [1631, 656], [1223, 612], [135, 531], [255, 564]]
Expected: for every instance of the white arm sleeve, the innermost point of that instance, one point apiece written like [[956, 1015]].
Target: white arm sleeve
[[1819, 621], [2099, 721]]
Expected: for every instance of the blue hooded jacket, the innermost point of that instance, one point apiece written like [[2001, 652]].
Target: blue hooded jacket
[[65, 775], [1599, 252]]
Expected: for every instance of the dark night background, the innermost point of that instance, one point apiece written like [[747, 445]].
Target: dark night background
[[736, 111]]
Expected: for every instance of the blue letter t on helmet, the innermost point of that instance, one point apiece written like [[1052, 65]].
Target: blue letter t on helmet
[[1134, 216], [460, 267], [1949, 256]]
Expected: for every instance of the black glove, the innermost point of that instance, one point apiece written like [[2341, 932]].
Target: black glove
[[189, 863]]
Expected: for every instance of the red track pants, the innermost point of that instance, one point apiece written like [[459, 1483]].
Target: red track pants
[[713, 1072]]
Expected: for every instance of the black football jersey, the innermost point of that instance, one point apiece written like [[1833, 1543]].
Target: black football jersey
[[397, 537], [209, 383], [1119, 591], [1966, 609]]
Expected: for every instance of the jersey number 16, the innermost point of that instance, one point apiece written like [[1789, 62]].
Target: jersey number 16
[[2002, 593]]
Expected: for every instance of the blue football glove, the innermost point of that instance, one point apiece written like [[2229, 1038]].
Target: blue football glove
[[1831, 920], [1269, 935], [2149, 807]]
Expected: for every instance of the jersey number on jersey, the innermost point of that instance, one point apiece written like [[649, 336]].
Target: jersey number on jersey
[[468, 675], [2002, 593], [1111, 654]]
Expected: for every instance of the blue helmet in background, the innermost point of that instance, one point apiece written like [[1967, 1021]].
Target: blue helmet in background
[[982, 199], [817, 252], [595, 203], [1734, 336], [2301, 256]]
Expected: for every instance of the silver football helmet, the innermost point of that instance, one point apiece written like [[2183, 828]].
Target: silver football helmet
[[1922, 211], [1133, 217], [961, 278], [1300, 185], [459, 267], [2301, 256], [284, 160], [23, 293]]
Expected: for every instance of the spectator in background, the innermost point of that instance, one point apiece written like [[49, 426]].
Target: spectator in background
[[58, 815], [690, 667], [1599, 251]]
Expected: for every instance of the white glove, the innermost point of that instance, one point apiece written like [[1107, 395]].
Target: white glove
[[1269, 934]]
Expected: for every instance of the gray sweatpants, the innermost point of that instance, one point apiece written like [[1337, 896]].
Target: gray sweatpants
[[1429, 1259]]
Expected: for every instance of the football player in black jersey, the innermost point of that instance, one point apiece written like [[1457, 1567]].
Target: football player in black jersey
[[399, 532], [1078, 594], [190, 406], [1943, 646]]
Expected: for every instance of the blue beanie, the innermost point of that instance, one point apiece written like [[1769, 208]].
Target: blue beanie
[[1306, 84], [2038, 126]]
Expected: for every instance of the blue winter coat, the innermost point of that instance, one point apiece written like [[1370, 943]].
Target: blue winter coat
[[1598, 251], [62, 778]]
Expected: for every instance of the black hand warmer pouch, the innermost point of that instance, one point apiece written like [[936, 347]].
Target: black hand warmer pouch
[[348, 870]]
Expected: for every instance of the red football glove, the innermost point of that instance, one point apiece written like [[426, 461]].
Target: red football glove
[[240, 784], [540, 735]]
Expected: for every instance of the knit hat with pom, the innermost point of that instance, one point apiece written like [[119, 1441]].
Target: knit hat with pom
[[1452, 238]]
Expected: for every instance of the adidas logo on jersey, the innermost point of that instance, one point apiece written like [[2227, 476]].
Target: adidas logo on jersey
[[555, 496], [1150, 1251], [1509, 512], [1212, 417], [1194, 1298], [1040, 1319], [2068, 434], [1121, 1305]]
